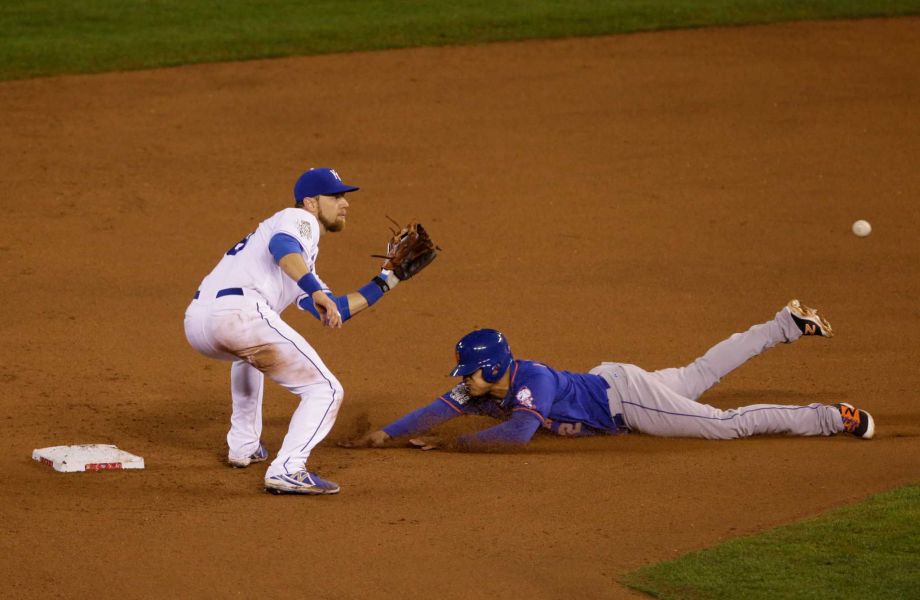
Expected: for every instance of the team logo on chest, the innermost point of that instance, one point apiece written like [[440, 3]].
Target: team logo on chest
[[525, 398], [306, 232]]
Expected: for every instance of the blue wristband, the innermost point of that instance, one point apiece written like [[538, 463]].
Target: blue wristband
[[309, 283], [373, 290], [342, 303]]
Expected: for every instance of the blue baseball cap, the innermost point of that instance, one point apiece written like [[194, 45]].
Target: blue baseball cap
[[321, 181]]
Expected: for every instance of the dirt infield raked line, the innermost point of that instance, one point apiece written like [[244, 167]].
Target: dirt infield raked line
[[631, 198]]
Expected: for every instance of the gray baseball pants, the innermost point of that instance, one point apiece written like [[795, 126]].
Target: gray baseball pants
[[665, 403]]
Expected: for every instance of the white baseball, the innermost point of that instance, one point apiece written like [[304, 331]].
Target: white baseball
[[862, 228]]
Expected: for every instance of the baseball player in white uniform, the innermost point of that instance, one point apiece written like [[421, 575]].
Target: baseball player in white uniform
[[235, 316]]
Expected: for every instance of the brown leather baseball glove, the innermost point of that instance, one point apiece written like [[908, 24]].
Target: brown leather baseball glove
[[409, 251]]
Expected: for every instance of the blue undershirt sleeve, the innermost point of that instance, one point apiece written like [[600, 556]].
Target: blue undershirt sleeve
[[283, 244], [422, 419], [516, 430]]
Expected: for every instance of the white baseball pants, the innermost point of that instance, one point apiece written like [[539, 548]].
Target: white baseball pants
[[246, 331], [664, 403]]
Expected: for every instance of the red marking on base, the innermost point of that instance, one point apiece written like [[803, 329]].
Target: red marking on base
[[45, 461], [102, 466]]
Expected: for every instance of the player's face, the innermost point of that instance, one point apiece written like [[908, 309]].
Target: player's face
[[476, 384], [331, 212]]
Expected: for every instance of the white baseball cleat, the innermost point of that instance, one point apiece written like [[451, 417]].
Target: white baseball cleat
[[241, 463], [301, 482]]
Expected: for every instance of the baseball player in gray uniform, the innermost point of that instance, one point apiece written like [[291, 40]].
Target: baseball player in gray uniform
[[234, 316], [620, 397]]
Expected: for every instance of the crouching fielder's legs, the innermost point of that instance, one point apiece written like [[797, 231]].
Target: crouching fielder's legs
[[259, 343], [291, 362]]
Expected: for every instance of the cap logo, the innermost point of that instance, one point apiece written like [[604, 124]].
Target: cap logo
[[336, 175]]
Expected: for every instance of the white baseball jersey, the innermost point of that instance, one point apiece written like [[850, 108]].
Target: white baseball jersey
[[250, 265]]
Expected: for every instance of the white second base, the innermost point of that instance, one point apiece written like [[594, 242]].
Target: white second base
[[87, 457]]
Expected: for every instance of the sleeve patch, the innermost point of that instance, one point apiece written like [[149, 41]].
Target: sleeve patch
[[305, 230], [460, 394], [525, 398]]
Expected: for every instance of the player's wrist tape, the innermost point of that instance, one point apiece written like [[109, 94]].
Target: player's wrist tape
[[309, 283], [387, 280]]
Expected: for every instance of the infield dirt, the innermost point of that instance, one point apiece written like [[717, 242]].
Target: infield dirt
[[634, 198]]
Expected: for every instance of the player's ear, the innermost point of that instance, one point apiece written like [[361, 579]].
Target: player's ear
[[310, 204]]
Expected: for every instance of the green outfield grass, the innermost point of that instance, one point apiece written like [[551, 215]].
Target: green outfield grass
[[46, 37], [871, 550]]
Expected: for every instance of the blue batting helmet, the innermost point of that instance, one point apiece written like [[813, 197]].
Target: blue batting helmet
[[485, 349]]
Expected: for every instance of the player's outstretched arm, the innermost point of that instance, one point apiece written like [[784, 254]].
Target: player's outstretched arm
[[332, 310], [351, 304], [409, 251], [374, 439], [368, 294], [516, 431], [414, 423]]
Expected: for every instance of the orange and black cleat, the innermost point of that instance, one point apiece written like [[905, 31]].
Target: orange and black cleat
[[855, 421]]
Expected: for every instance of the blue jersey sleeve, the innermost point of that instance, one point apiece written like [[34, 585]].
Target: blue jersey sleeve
[[516, 430], [423, 419]]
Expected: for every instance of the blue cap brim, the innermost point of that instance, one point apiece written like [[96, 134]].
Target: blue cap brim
[[462, 370], [340, 189]]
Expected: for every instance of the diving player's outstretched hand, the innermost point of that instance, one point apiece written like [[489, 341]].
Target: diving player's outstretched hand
[[328, 311], [426, 443], [374, 439]]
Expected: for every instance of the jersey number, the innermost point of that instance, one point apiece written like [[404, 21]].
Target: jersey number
[[239, 245]]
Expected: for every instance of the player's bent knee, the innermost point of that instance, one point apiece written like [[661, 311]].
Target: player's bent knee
[[338, 392]]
